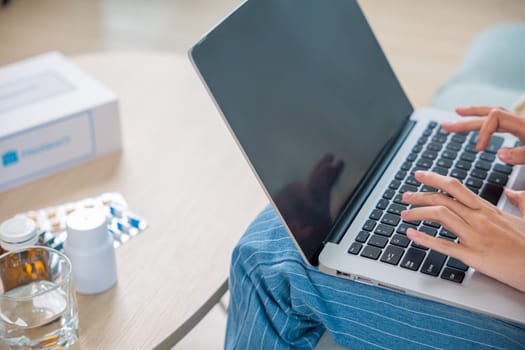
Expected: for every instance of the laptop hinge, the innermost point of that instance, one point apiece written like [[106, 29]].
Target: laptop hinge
[[371, 178]]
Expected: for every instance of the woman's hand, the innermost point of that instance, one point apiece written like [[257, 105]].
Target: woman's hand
[[491, 241], [491, 120]]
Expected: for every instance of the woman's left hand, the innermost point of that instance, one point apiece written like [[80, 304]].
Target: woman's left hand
[[490, 240]]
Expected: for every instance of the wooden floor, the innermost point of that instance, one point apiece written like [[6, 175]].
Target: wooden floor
[[424, 39]]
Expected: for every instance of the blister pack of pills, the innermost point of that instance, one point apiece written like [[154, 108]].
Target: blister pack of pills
[[122, 223]]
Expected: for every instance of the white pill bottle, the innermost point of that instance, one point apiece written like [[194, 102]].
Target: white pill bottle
[[89, 246]]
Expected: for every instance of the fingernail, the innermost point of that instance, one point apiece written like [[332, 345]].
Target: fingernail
[[404, 213], [420, 173], [411, 233], [504, 154], [407, 195]]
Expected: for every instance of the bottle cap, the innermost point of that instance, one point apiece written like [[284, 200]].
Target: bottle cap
[[18, 232], [87, 228]]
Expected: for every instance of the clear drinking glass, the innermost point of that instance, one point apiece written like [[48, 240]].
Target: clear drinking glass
[[38, 307]]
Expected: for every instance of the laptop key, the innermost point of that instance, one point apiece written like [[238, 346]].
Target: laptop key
[[394, 184], [390, 219], [411, 180], [498, 179], [407, 188], [400, 175], [417, 168], [473, 182], [429, 230], [439, 139], [457, 264], [446, 233], [440, 170], [489, 157], [417, 148], [430, 155], [467, 157], [362, 236], [503, 168], [422, 140], [378, 241], [392, 255], [355, 248], [384, 230], [414, 222], [483, 165], [433, 263], [389, 194], [432, 224], [459, 138], [471, 148], [369, 225], [382, 204], [491, 193], [400, 240], [444, 163], [436, 147], [371, 252], [376, 214], [396, 209], [449, 154], [427, 188], [454, 146], [480, 174], [495, 144], [403, 228], [413, 259], [424, 163], [463, 165], [458, 173], [399, 200], [406, 166], [432, 124], [453, 275], [411, 157]]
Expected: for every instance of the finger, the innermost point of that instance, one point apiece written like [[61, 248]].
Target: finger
[[441, 245], [472, 124], [475, 110], [450, 185], [502, 121], [436, 199], [517, 198], [440, 214], [514, 155]]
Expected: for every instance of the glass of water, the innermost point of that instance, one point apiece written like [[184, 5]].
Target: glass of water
[[38, 307]]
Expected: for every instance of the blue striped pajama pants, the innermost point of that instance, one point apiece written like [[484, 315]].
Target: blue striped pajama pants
[[279, 302]]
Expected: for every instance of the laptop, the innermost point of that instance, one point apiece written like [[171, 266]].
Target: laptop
[[317, 110]]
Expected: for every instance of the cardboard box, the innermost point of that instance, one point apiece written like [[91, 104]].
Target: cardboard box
[[52, 116]]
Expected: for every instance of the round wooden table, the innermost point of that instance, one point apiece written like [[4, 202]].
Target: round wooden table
[[182, 171]]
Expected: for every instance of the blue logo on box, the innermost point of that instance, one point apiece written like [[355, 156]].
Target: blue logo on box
[[9, 158]]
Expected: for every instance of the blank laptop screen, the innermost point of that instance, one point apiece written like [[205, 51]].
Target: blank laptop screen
[[311, 99]]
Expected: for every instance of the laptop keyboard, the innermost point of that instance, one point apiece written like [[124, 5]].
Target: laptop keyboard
[[383, 235]]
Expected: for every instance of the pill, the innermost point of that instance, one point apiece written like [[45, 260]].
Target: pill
[[116, 209]]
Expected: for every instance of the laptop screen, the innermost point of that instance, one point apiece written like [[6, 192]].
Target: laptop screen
[[311, 99]]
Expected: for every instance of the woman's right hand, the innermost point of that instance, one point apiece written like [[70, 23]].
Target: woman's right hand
[[489, 121]]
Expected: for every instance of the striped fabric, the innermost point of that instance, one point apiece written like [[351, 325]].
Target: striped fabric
[[278, 302]]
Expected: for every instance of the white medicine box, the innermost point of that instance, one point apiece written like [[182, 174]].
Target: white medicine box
[[52, 116]]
